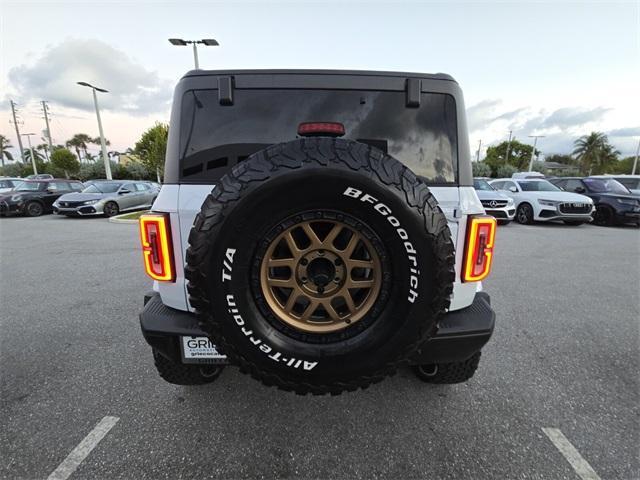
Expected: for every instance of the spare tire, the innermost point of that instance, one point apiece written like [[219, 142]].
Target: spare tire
[[320, 265]]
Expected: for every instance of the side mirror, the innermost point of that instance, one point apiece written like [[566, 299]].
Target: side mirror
[[513, 189], [124, 191], [579, 190]]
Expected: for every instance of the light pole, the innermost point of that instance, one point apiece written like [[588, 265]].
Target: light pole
[[209, 42], [33, 159], [635, 161], [533, 152], [103, 143]]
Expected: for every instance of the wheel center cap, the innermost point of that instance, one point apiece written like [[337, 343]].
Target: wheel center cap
[[321, 271]]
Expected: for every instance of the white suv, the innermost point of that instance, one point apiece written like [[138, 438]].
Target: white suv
[[539, 200]]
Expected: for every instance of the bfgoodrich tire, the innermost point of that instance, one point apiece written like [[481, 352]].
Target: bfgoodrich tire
[[320, 265]]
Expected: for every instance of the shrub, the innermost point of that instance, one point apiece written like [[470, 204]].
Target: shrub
[[505, 171], [481, 169]]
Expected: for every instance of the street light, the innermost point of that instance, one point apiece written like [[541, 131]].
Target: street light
[[209, 42], [103, 143], [33, 159]]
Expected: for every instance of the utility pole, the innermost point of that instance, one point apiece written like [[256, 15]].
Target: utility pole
[[533, 152], [506, 160], [45, 110], [479, 147], [33, 159], [635, 162], [15, 123]]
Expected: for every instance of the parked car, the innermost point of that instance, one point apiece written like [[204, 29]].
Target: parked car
[[35, 197], [40, 176], [614, 203], [537, 199], [107, 198], [495, 203], [339, 242], [7, 183], [632, 182]]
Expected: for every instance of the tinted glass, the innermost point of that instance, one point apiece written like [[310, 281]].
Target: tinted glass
[[573, 184], [482, 185], [215, 137], [633, 183], [102, 187], [30, 186], [538, 186], [606, 185], [141, 187]]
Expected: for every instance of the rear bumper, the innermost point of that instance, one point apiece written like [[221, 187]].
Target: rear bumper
[[461, 334]]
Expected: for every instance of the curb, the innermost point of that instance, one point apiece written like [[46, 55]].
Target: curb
[[118, 219]]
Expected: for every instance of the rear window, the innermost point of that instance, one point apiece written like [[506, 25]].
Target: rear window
[[214, 137]]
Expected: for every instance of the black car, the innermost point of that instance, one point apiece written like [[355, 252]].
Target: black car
[[35, 197], [615, 204]]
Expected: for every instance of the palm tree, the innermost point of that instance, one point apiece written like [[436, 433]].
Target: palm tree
[[5, 144], [590, 150], [79, 143], [36, 154], [43, 147]]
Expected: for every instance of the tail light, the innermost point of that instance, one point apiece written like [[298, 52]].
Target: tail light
[[309, 129], [478, 255], [155, 235]]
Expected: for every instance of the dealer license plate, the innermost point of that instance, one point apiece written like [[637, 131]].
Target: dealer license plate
[[200, 350]]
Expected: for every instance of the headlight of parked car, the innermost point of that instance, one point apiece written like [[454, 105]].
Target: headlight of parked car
[[627, 201], [549, 203], [510, 202], [90, 202], [16, 198]]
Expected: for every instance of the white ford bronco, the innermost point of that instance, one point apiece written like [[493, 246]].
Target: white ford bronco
[[317, 229]]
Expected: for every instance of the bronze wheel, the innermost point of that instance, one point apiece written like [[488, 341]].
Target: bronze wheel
[[320, 276]]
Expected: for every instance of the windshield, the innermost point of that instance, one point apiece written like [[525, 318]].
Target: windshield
[[102, 187], [28, 186], [538, 186], [482, 185], [608, 185]]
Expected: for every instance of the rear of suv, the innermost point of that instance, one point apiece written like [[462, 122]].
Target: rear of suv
[[318, 229]]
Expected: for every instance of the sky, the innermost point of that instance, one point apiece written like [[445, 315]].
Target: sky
[[558, 69]]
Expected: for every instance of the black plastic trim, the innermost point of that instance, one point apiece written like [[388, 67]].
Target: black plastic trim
[[461, 333]]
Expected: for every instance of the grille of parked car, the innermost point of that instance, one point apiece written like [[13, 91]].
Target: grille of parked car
[[494, 203], [70, 204], [575, 208]]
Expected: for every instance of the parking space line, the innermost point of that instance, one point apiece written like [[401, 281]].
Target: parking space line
[[579, 464], [83, 449]]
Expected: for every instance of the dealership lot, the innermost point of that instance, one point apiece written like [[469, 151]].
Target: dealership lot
[[564, 355]]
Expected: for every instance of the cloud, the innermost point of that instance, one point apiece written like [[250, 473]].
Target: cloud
[[478, 114], [624, 132], [573, 117], [53, 77]]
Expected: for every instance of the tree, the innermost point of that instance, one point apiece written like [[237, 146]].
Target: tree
[[519, 155], [594, 152], [481, 169], [36, 154], [79, 143], [506, 170], [5, 144], [152, 147], [561, 158], [65, 161]]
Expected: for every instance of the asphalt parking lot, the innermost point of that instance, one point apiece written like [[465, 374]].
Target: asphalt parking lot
[[565, 355]]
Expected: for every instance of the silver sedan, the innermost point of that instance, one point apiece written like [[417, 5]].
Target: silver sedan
[[107, 198]]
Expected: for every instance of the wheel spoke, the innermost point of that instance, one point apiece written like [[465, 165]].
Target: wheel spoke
[[351, 263], [282, 283], [351, 246], [331, 236], [326, 303], [348, 300], [313, 237], [282, 262], [311, 308], [291, 243], [291, 301], [368, 283]]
